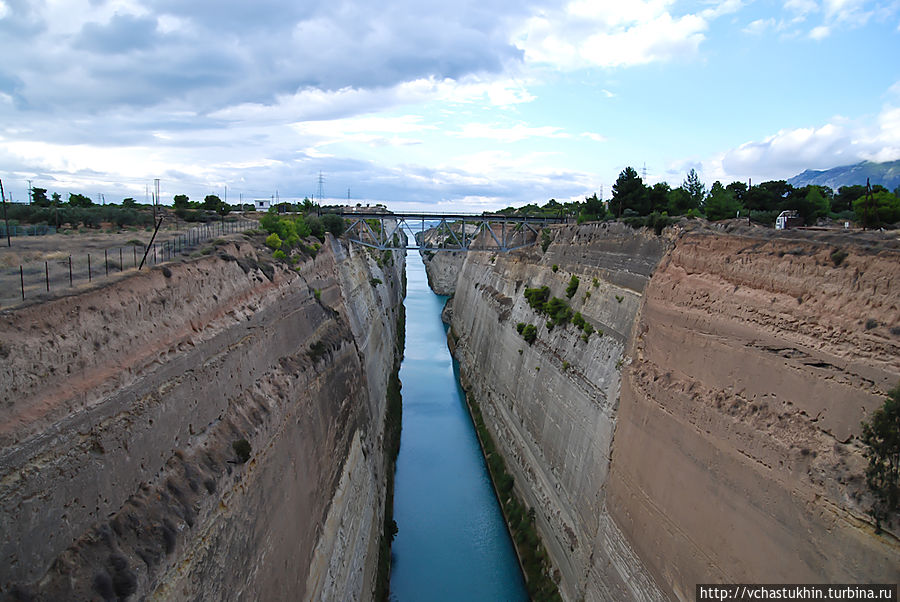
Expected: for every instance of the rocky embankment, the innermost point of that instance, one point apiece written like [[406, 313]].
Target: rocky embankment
[[707, 430], [124, 412]]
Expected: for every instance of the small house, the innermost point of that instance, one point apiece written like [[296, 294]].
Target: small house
[[262, 205], [787, 220]]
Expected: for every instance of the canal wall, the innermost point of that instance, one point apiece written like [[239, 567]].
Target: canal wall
[[125, 409], [710, 434]]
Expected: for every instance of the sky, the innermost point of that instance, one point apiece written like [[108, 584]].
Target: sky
[[437, 106]]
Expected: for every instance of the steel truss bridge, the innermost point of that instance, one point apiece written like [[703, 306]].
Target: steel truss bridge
[[453, 231]]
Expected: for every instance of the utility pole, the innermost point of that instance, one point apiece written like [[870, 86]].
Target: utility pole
[[155, 198], [866, 205], [3, 196], [29, 191]]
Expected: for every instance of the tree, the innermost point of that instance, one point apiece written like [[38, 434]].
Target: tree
[[181, 201], [211, 202], [738, 190], [629, 192], [811, 204], [721, 203], [768, 196], [679, 201], [79, 200], [39, 197], [592, 209], [881, 436], [333, 223], [695, 188], [129, 202], [658, 197], [55, 199], [882, 208]]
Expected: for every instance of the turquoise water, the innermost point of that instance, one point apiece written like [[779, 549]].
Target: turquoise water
[[452, 543]]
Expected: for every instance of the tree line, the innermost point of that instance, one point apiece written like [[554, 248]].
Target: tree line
[[633, 200]]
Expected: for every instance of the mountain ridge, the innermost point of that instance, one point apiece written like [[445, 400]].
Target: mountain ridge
[[886, 174]]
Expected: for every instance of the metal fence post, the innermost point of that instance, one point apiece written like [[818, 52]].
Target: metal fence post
[[121, 264], [106, 261], [22, 281], [47, 275], [70, 270], [90, 276]]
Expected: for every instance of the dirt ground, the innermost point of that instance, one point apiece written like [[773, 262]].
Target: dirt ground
[[37, 263]]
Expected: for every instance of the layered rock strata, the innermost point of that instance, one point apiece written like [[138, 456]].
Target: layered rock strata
[[710, 433], [123, 409]]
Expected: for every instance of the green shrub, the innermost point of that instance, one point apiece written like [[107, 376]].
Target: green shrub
[[620, 298], [573, 286], [529, 333], [273, 241], [881, 436], [316, 351], [555, 268], [838, 256], [279, 254], [545, 240], [537, 297], [558, 310], [375, 281], [241, 449]]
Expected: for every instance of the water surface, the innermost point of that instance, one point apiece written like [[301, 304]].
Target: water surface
[[452, 543]]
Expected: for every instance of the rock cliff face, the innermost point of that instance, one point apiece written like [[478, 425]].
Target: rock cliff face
[[442, 268], [121, 407], [708, 434]]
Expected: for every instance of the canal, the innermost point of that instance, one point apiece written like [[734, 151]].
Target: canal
[[452, 543]]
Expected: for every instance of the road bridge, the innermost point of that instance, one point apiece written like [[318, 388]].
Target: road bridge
[[444, 231]]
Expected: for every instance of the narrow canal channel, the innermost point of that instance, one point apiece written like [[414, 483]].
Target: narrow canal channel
[[452, 543]]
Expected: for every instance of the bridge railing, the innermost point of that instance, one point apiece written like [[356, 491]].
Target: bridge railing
[[445, 231]]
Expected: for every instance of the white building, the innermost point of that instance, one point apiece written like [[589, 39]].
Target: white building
[[262, 205]]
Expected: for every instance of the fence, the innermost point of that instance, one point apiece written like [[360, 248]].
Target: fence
[[62, 269], [30, 230]]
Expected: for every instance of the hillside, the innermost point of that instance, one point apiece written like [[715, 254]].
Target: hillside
[[887, 174]]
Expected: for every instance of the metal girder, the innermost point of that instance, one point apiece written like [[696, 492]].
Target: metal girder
[[382, 231]]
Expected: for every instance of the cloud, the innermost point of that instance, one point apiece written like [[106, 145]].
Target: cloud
[[819, 33], [508, 134], [760, 26], [586, 33], [791, 151]]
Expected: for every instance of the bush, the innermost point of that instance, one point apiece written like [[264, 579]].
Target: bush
[[545, 240], [838, 256], [537, 297], [573, 286], [279, 254], [273, 241], [241, 449], [316, 351], [333, 223], [555, 268], [881, 436], [529, 333]]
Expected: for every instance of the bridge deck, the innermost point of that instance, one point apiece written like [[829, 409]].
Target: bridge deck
[[460, 232]]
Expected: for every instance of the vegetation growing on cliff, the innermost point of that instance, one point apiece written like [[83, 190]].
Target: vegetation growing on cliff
[[881, 435], [519, 518], [528, 332], [573, 286]]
